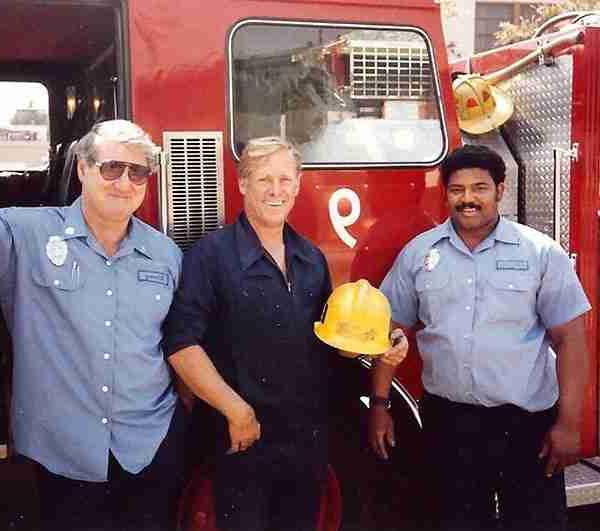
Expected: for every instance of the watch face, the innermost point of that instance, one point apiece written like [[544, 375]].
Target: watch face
[[380, 401]]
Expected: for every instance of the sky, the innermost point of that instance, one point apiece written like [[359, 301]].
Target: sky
[[19, 96]]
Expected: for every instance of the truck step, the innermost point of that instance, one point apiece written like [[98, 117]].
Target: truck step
[[583, 482]]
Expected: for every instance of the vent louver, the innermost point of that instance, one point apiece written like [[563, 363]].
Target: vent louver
[[194, 184], [390, 72]]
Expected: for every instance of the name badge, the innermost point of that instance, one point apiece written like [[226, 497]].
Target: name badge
[[514, 265], [157, 277]]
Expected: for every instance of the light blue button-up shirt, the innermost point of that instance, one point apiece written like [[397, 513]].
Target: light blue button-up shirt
[[89, 374], [486, 312]]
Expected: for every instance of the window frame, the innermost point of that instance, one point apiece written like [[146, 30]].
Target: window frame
[[353, 26]]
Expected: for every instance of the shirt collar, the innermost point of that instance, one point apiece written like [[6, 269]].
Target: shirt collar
[[503, 232], [250, 248], [74, 226]]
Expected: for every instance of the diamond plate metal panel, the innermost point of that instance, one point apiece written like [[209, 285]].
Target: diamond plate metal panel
[[194, 187], [542, 122], [582, 484]]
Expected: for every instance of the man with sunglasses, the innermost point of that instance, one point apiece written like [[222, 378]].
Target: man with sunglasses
[[85, 289]]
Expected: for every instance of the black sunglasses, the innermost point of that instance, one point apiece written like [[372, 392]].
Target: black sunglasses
[[111, 170]]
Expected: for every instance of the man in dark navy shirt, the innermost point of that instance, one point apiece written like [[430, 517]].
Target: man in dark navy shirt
[[240, 334]]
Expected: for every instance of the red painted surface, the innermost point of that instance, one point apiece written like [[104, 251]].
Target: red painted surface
[[180, 82]]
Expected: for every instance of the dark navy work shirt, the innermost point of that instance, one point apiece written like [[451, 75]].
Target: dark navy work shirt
[[254, 323]]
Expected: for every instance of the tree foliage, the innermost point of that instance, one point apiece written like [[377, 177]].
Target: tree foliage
[[526, 27]]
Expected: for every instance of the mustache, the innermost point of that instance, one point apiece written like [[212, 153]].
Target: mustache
[[462, 206]]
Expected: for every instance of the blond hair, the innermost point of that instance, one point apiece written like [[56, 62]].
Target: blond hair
[[257, 149]]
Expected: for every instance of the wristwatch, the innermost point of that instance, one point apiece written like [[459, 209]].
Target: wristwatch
[[375, 400]]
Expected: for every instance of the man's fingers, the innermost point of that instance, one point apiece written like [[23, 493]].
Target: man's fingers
[[545, 450], [552, 465], [381, 448], [390, 436]]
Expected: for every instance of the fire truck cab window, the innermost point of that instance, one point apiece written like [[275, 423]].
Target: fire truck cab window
[[344, 95], [24, 135]]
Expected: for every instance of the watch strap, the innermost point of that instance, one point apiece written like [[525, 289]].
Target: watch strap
[[375, 400]]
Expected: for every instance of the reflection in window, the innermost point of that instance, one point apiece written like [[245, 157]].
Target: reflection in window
[[24, 135], [343, 95]]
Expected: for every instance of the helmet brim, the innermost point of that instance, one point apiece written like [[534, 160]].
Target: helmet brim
[[502, 112], [348, 344]]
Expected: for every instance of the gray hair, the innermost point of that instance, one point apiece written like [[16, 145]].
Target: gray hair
[[258, 148], [121, 131]]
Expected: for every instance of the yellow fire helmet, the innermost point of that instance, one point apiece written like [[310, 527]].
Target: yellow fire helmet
[[481, 107], [356, 319]]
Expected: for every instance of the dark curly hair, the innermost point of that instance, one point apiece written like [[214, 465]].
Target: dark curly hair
[[472, 156]]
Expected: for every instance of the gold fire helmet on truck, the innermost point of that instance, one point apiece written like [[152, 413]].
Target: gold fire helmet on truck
[[481, 106], [356, 319]]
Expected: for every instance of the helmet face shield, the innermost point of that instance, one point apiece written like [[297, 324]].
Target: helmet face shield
[[356, 319]]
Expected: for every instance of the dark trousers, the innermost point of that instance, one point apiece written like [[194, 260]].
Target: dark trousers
[[484, 468], [274, 485], [146, 501]]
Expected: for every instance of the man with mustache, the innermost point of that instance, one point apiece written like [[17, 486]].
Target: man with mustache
[[498, 311]]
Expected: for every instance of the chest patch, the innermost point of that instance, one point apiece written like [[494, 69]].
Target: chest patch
[[514, 265], [157, 277]]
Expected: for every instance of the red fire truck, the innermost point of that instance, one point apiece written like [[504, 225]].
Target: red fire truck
[[363, 87]]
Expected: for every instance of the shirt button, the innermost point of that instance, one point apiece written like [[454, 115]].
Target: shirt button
[[511, 286], [469, 281], [70, 231], [107, 323], [104, 420], [109, 292], [277, 325], [104, 389], [468, 308], [108, 263], [157, 297], [57, 282], [106, 356]]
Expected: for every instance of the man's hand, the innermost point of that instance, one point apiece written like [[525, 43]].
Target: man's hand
[[381, 431], [395, 356], [561, 448], [244, 428]]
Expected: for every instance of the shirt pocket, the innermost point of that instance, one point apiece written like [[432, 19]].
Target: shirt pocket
[[60, 279], [309, 301], [510, 297], [433, 289], [153, 294], [257, 298]]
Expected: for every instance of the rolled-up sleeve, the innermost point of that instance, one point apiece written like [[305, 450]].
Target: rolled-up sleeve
[[193, 306], [561, 297], [398, 287]]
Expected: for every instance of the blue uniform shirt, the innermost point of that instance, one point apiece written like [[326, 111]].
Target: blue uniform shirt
[[89, 375], [485, 313]]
